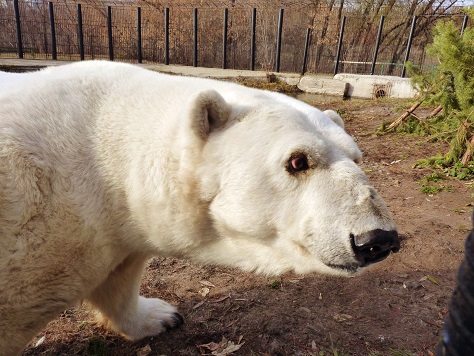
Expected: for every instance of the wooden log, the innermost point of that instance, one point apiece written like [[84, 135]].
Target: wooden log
[[436, 111], [404, 116], [468, 154]]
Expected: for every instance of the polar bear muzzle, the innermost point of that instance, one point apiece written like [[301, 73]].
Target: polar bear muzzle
[[374, 246]]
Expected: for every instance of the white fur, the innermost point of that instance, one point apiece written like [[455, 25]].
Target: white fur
[[103, 165]]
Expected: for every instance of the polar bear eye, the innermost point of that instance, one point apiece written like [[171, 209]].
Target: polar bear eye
[[298, 162]]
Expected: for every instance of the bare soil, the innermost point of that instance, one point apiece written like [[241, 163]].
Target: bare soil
[[396, 308]]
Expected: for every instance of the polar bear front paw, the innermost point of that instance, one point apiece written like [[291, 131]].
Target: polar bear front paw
[[151, 317]]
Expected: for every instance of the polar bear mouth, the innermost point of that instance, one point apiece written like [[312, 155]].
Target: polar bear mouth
[[350, 268], [369, 248], [374, 246], [355, 267]]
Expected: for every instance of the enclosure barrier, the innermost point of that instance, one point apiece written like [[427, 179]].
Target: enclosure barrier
[[224, 38], [339, 44], [252, 40], [410, 39], [139, 34], [18, 29], [167, 36], [109, 33], [317, 50], [377, 45], [80, 32]]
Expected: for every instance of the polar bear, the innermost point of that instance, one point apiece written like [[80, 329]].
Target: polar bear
[[103, 165]]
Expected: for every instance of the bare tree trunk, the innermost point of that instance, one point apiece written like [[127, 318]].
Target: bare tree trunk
[[324, 30], [363, 21], [389, 7], [377, 8], [398, 49], [339, 12], [316, 8]]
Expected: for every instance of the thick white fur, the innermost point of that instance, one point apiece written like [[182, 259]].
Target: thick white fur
[[103, 165]]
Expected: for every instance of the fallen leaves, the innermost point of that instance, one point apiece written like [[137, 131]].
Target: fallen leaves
[[221, 299], [144, 351], [206, 288], [429, 278], [207, 284], [199, 304], [223, 348], [204, 291], [218, 300], [432, 280], [342, 317]]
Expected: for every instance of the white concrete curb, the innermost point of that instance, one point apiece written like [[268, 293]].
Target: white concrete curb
[[377, 86], [348, 85], [324, 86]]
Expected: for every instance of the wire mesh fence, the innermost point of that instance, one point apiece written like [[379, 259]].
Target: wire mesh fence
[[117, 27]]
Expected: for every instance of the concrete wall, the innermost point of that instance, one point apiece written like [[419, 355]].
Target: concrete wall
[[348, 85], [376, 86]]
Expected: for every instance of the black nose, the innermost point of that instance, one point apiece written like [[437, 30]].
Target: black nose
[[373, 246]]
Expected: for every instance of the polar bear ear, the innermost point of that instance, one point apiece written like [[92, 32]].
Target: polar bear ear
[[334, 116], [207, 111]]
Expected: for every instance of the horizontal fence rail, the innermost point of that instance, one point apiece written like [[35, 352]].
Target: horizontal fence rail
[[289, 36]]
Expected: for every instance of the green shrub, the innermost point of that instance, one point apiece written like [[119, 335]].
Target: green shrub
[[451, 86]]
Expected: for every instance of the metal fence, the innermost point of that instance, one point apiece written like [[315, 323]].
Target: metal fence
[[289, 36]]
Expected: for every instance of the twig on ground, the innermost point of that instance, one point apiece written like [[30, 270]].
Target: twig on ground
[[404, 116], [435, 111], [468, 154]]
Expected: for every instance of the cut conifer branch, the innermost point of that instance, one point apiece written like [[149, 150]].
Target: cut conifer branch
[[468, 154], [404, 116], [436, 111]]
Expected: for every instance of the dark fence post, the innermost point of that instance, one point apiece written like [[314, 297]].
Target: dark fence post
[[278, 50], [252, 38], [410, 39], [377, 44], [195, 41], [53, 31], [109, 33], [464, 24], [167, 36], [80, 32], [19, 42], [339, 44], [306, 46], [224, 38], [139, 34]]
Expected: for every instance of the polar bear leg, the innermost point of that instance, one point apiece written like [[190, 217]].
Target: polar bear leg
[[123, 310]]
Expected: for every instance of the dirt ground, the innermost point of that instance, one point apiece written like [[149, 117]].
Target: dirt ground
[[396, 308]]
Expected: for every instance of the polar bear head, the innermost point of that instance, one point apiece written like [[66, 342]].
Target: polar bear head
[[284, 188]]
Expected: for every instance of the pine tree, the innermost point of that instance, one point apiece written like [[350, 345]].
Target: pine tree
[[450, 85]]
